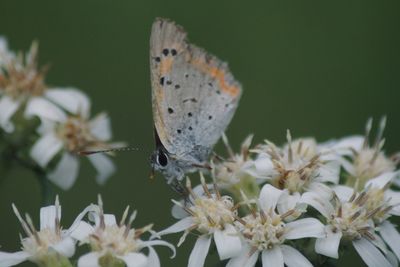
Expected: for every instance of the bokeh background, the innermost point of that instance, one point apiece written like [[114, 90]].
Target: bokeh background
[[319, 68]]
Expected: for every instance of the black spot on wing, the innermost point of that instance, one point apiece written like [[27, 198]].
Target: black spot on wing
[[170, 110], [162, 79]]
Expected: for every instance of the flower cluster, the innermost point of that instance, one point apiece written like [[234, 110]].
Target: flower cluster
[[45, 127], [282, 205], [111, 243]]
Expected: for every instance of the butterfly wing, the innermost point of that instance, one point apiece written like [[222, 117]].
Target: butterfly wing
[[194, 93]]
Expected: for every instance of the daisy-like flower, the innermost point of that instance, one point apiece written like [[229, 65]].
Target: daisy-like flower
[[367, 161], [48, 246], [68, 136], [300, 166], [381, 203], [114, 242], [350, 218], [235, 173], [212, 216], [265, 232], [22, 85]]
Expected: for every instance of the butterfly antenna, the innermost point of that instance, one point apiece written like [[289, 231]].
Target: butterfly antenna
[[122, 149]]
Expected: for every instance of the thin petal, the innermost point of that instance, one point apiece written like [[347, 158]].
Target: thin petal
[[382, 179], [329, 172], [100, 127], [11, 259], [81, 231], [294, 258], [45, 149], [72, 100], [343, 192], [135, 260], [104, 167], [307, 227], [178, 212], [391, 236], [370, 254], [153, 259], [78, 219], [288, 201], [89, 260], [244, 259], [179, 226], [66, 171], [8, 107], [160, 243], [199, 253], [65, 247], [228, 242], [44, 109], [329, 245], [272, 257], [346, 145], [48, 217], [319, 203], [269, 197]]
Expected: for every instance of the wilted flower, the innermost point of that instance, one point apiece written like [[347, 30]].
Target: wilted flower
[[265, 232], [211, 215], [68, 136], [51, 243], [116, 242]]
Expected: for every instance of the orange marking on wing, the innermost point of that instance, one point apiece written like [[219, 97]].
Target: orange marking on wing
[[219, 75], [166, 65], [225, 87]]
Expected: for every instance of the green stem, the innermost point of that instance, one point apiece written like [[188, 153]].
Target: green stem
[[47, 191]]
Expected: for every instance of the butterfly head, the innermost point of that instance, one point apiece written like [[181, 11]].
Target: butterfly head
[[165, 163]]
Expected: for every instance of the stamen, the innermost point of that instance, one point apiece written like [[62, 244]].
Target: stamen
[[32, 227], [290, 152], [228, 147], [368, 128], [382, 125], [204, 185], [124, 216], [23, 223]]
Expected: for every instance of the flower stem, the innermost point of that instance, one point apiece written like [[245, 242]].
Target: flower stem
[[48, 195]]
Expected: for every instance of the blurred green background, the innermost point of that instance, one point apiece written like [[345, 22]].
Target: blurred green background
[[320, 68]]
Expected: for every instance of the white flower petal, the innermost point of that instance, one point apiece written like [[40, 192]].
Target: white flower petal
[[78, 219], [329, 245], [269, 197], [100, 127], [199, 253], [287, 201], [45, 149], [44, 109], [391, 236], [228, 242], [89, 260], [179, 226], [318, 202], [329, 172], [81, 231], [263, 167], [66, 171], [48, 217], [160, 243], [382, 179], [72, 100], [65, 247], [344, 146], [244, 259], [152, 259], [307, 227], [8, 107], [104, 167], [177, 211], [109, 219], [294, 258], [11, 259], [370, 254], [272, 257], [134, 260]]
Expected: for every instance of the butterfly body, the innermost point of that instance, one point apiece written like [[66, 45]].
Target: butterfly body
[[194, 98]]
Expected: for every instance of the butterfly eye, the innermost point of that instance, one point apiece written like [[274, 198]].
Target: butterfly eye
[[162, 159]]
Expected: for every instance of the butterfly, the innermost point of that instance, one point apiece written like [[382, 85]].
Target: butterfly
[[194, 97]]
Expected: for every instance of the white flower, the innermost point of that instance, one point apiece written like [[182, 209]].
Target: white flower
[[350, 218], [118, 241], [366, 161], [22, 85], [300, 166], [212, 215], [51, 238], [69, 136], [265, 232]]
